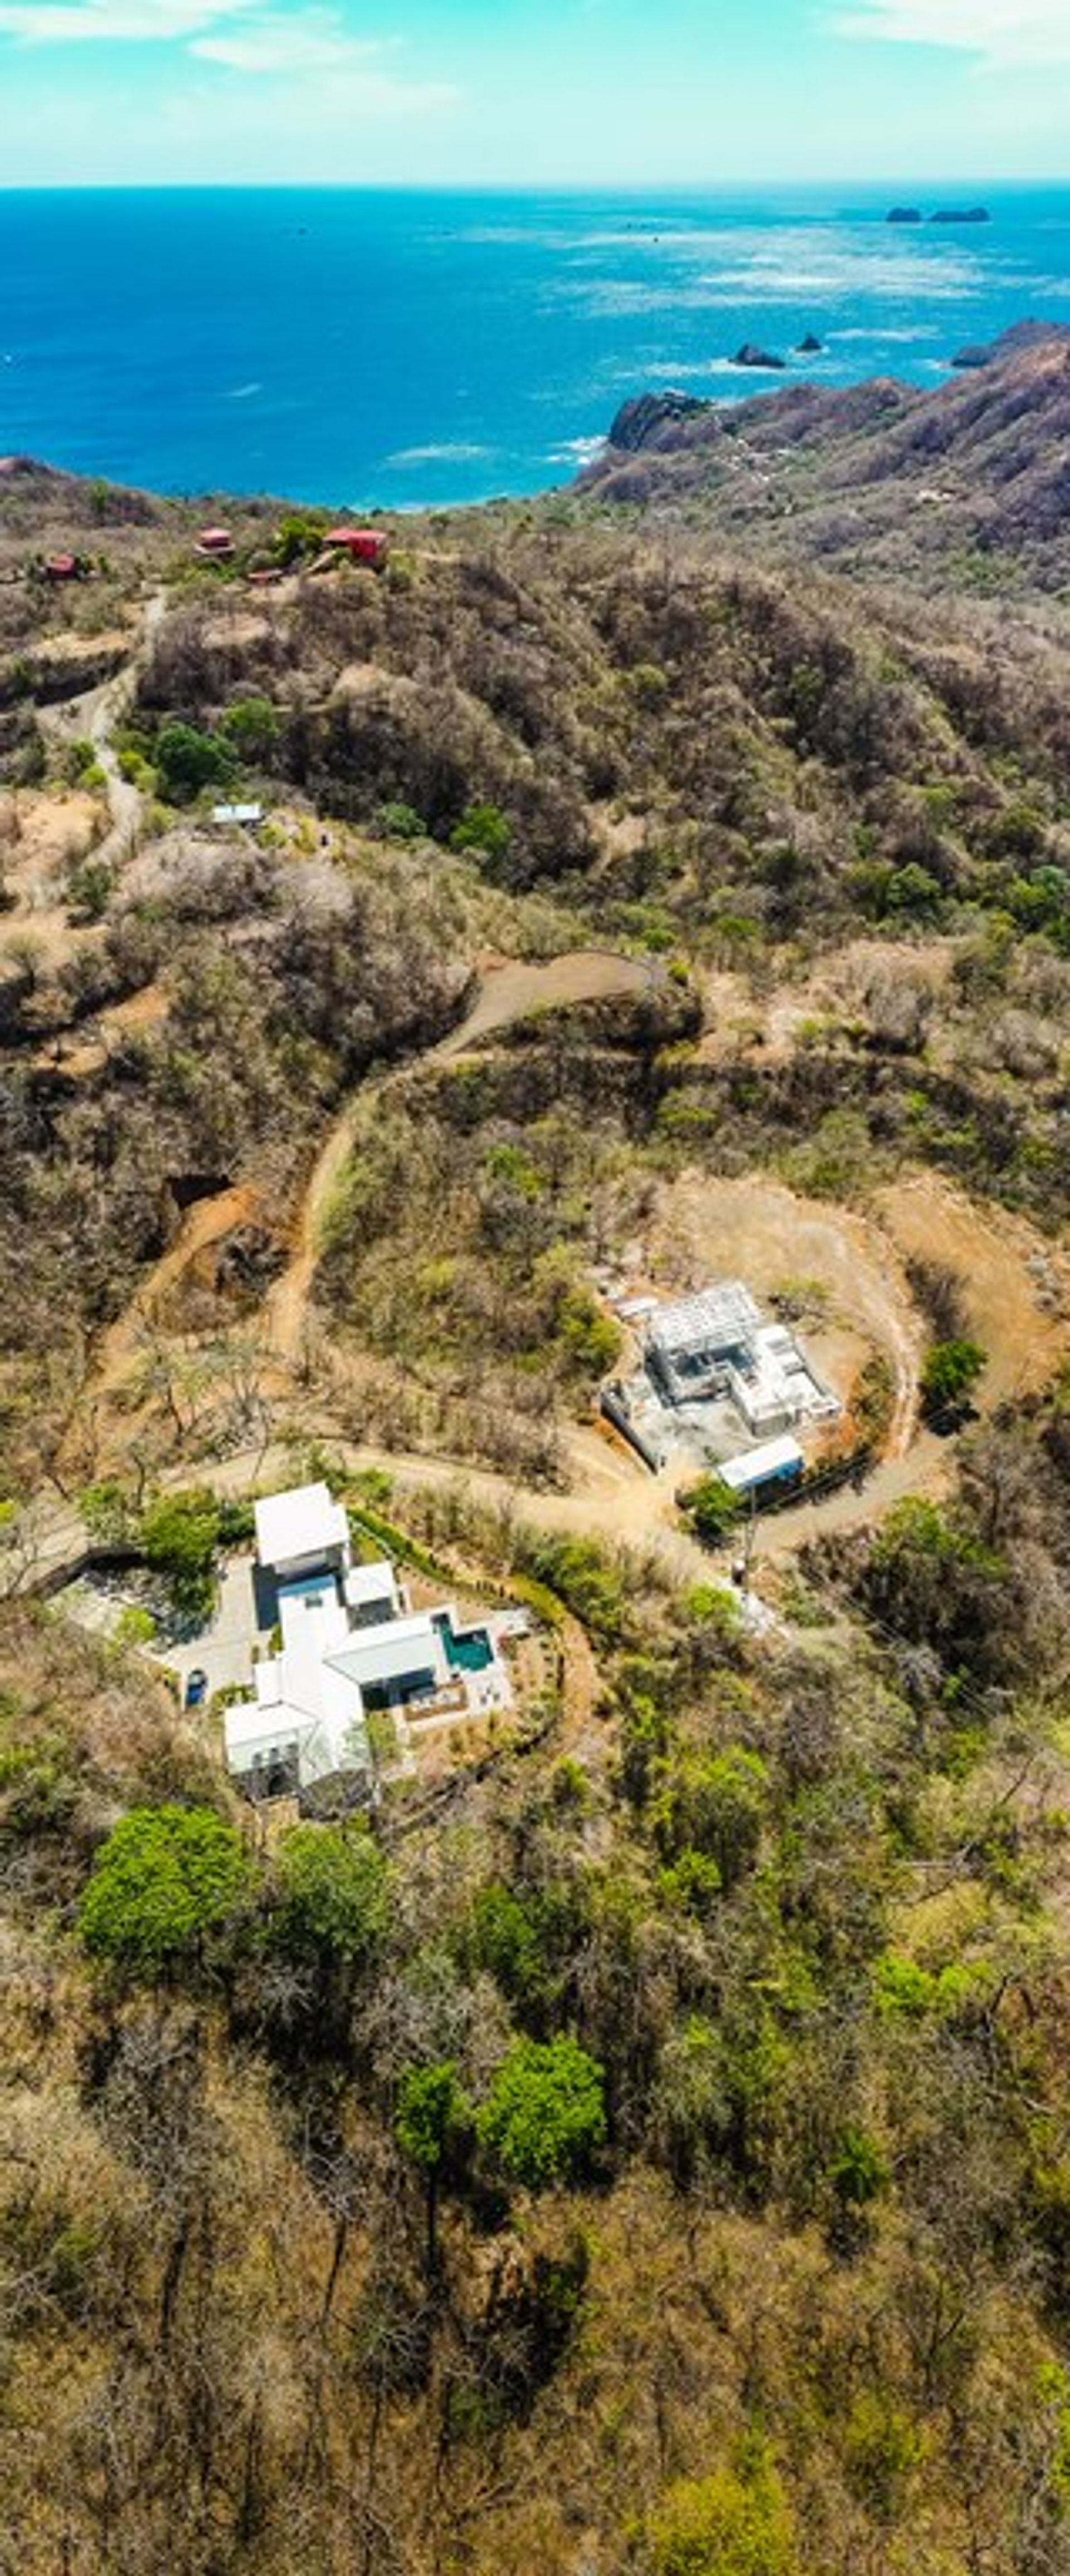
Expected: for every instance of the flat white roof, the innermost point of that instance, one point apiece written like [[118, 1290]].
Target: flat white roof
[[774, 1458], [302, 1522], [374, 1582], [389, 1653], [249, 1722]]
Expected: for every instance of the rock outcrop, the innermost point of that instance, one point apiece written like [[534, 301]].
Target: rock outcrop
[[750, 355], [644, 421]]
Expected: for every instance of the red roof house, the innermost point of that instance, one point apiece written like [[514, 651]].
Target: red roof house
[[216, 542], [362, 545]]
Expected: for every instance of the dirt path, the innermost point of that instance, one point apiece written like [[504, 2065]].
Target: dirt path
[[508, 992], [93, 718], [205, 1224], [53, 1535]]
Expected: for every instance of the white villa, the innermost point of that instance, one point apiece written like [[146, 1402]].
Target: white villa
[[350, 1646]]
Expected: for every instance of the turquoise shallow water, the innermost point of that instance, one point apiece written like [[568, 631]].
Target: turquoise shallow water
[[396, 349]]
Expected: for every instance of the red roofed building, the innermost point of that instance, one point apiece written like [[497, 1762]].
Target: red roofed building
[[362, 545], [216, 542], [62, 568]]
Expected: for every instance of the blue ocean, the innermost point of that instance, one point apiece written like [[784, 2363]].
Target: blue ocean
[[399, 349]]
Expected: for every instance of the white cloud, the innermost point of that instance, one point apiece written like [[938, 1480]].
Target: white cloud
[[1002, 34], [311, 40], [49, 22], [243, 36]]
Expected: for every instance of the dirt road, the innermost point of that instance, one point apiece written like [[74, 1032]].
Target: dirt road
[[93, 718], [508, 992]]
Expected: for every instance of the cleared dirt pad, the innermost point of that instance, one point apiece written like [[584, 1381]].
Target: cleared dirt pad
[[1015, 1285], [513, 990], [759, 1231]]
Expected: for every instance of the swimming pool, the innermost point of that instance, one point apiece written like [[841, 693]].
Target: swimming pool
[[468, 1650]]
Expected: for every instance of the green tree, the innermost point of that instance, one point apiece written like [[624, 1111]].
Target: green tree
[[432, 2117], [165, 1878], [914, 891], [713, 1510], [180, 1535], [545, 2114], [296, 536], [400, 822], [187, 760], [737, 2522], [950, 1372], [485, 830], [332, 1889], [713, 1803], [252, 728]]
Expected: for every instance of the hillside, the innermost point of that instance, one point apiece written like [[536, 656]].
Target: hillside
[[965, 487], [634, 2142]]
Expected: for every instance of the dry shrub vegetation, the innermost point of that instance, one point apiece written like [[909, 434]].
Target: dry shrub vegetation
[[798, 2304], [804, 2306]]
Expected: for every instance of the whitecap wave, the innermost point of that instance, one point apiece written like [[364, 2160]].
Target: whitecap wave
[[450, 452]]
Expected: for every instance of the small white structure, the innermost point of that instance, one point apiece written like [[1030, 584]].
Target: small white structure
[[775, 1463], [249, 815], [350, 1647]]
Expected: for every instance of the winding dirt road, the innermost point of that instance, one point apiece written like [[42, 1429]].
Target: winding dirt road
[[508, 992], [93, 718]]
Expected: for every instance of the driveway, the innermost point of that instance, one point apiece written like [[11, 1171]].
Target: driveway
[[223, 1650]]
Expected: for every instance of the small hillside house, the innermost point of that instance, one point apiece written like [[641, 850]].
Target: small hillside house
[[216, 543], [361, 545], [349, 1647]]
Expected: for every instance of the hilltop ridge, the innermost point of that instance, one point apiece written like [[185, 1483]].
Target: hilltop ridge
[[970, 481]]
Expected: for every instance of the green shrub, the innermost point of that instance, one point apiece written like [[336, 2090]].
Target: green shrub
[[89, 890], [485, 830], [180, 1536], [860, 2172], [332, 1891], [737, 2522], [400, 822], [545, 2114], [949, 1374], [713, 1510]]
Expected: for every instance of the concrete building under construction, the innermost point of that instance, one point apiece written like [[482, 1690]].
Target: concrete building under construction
[[714, 1347]]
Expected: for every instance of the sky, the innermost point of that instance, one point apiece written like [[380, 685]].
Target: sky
[[541, 93]]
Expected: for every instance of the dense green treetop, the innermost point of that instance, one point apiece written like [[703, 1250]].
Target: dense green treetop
[[545, 2113], [165, 1877]]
